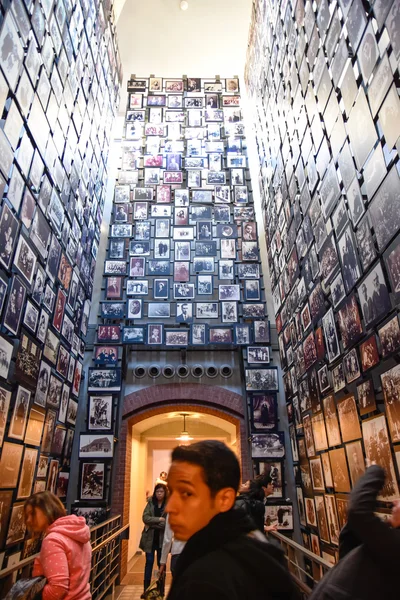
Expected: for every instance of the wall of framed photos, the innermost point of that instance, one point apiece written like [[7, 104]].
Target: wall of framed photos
[[322, 82], [59, 89], [183, 288]]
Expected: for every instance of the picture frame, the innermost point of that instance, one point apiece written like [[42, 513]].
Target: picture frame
[[389, 336], [268, 445], [100, 413], [133, 335], [16, 299], [220, 334], [207, 310], [280, 515], [106, 355], [263, 412], [155, 333], [92, 481], [96, 445], [262, 379], [8, 235], [16, 428], [340, 473], [176, 337], [109, 333], [108, 380], [158, 310], [10, 462]]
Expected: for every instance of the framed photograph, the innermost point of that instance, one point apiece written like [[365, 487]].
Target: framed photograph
[[8, 235], [133, 335], [263, 411], [198, 334], [383, 211], [348, 254], [96, 446], [181, 271], [355, 458], [27, 363], [19, 417], [134, 308], [229, 311], [366, 397], [349, 322], [351, 366], [176, 337], [203, 265], [332, 342], [348, 418], [107, 380], [100, 413], [262, 379], [106, 355], [338, 378], [322, 519], [268, 445], [389, 336], [340, 473], [159, 310], [392, 262], [16, 529], [156, 100], [158, 267], [14, 306], [331, 421], [261, 332], [319, 432], [258, 354], [391, 391], [204, 285], [136, 267], [378, 451], [220, 335], [242, 333], [10, 462], [92, 481], [369, 353], [280, 515], [184, 312], [108, 333], [155, 334]]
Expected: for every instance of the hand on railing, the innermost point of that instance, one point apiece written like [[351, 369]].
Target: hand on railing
[[268, 528]]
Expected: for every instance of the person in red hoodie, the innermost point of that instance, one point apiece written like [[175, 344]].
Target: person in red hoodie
[[65, 556]]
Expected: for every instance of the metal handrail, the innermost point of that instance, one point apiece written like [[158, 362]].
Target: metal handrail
[[20, 565], [314, 557], [109, 539]]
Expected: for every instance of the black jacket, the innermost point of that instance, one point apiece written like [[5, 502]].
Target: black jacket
[[368, 567], [253, 507], [226, 561]]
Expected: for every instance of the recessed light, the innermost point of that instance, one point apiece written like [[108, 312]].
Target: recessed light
[[184, 5]]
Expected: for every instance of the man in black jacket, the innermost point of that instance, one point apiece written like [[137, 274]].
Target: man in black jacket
[[368, 567], [224, 557]]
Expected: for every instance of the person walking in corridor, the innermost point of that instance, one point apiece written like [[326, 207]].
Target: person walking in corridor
[[151, 540]]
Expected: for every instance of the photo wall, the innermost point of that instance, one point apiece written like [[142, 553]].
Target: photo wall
[[322, 78], [183, 269], [59, 85]]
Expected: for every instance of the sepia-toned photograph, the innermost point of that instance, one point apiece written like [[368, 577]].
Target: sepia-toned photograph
[[317, 475], [331, 421], [391, 391], [378, 452], [366, 397], [348, 418], [10, 462], [92, 481], [355, 458], [351, 366], [280, 515]]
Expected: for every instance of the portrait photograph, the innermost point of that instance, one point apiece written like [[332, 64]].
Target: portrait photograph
[[348, 254], [136, 267], [328, 259], [319, 432], [322, 519], [154, 334], [17, 528], [333, 522], [108, 333], [31, 316], [383, 210], [273, 469], [261, 332], [340, 473], [262, 379], [355, 458], [348, 418], [27, 473], [280, 515], [326, 466], [106, 355], [378, 451], [338, 378], [242, 333], [92, 481], [392, 262], [323, 379], [389, 336], [134, 308], [268, 445], [8, 235], [317, 475], [351, 366], [311, 517], [100, 413], [263, 410], [19, 417], [331, 421], [14, 306]]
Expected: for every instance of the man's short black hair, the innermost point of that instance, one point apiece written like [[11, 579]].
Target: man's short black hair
[[220, 465]]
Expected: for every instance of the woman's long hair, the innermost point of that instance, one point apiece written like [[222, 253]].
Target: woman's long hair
[[159, 486]]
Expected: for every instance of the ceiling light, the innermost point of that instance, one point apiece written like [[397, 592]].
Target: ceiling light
[[184, 437], [184, 5]]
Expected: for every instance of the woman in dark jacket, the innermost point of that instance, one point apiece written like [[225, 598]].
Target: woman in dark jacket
[[153, 532], [368, 566]]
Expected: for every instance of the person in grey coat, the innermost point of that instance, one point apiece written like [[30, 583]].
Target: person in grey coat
[[151, 540], [369, 548]]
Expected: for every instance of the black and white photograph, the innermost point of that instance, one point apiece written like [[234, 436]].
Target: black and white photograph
[[280, 515], [8, 235], [176, 337], [351, 366], [19, 417], [366, 397], [389, 336], [261, 332], [328, 259], [392, 262], [134, 308], [159, 310], [349, 322], [355, 458], [374, 296], [348, 254], [258, 354], [391, 391], [332, 342], [92, 481], [263, 410], [262, 379], [268, 445], [155, 334], [96, 446], [383, 210], [331, 421], [108, 380], [15, 303], [27, 473], [100, 413]]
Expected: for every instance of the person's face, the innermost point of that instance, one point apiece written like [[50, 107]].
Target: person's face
[[35, 519], [160, 494], [268, 490], [184, 309], [191, 506]]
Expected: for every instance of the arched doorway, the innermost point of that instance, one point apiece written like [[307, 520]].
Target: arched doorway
[[151, 422]]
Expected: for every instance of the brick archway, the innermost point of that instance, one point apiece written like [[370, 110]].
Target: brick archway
[[164, 398]]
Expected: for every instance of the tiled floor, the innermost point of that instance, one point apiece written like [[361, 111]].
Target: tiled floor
[[131, 586]]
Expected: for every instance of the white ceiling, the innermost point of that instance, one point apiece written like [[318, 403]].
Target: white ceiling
[[156, 36]]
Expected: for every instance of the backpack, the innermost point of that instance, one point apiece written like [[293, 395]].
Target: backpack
[[27, 589]]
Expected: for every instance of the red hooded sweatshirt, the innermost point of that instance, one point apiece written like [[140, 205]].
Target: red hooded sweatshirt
[[65, 560]]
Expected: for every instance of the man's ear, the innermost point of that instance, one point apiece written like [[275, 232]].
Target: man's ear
[[225, 499]]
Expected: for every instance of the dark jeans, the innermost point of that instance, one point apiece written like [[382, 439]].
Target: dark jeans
[[174, 560], [148, 569]]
